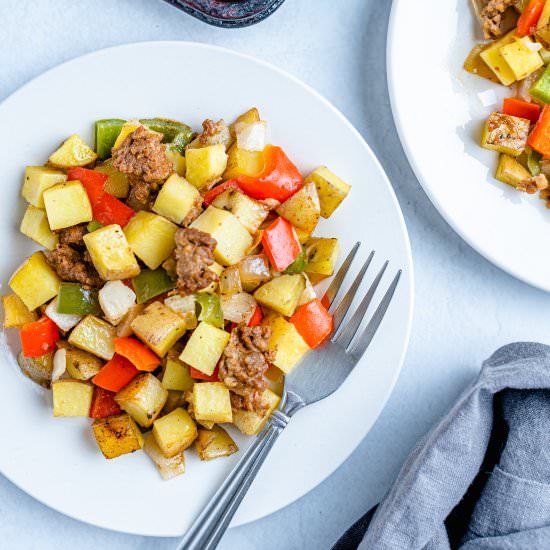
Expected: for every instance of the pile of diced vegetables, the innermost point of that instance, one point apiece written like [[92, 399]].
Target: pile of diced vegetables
[[520, 132], [136, 356]]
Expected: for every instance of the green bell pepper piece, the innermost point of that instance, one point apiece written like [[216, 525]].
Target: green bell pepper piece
[[176, 134], [94, 226], [211, 309], [541, 88], [74, 299], [299, 264], [533, 161], [106, 132], [150, 283]]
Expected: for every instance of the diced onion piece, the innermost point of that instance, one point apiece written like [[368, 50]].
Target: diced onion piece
[[65, 321], [185, 307], [530, 45], [238, 308], [230, 280], [309, 292], [115, 299], [59, 364], [254, 270], [168, 467], [251, 135]]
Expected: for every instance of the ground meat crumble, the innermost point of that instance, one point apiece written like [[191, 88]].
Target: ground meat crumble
[[491, 17], [73, 265], [243, 365]]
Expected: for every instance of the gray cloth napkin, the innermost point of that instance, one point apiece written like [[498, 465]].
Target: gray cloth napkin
[[480, 479]]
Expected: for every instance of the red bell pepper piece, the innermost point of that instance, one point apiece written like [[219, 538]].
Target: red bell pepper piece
[[103, 404], [279, 179], [139, 355], [214, 377], [106, 208], [209, 196], [281, 244], [115, 374], [530, 17], [313, 322], [521, 109], [539, 139], [256, 318], [39, 337]]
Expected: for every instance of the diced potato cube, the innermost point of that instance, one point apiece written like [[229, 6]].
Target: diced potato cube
[[241, 162], [174, 432], [94, 335], [330, 189], [38, 369], [250, 212], [178, 161], [158, 327], [505, 134], [204, 348], [214, 443], [205, 165], [37, 180], [510, 171], [175, 399], [115, 299], [520, 58], [190, 409], [322, 255], [143, 399], [211, 402], [35, 282], [35, 226], [65, 321], [474, 64], [176, 375], [232, 237], [249, 422], [111, 254], [176, 199], [67, 204], [117, 184], [493, 58], [303, 209], [151, 237], [167, 467], [73, 152], [185, 307], [281, 293], [287, 344], [71, 397], [250, 116], [127, 128], [82, 365], [117, 435], [16, 313]]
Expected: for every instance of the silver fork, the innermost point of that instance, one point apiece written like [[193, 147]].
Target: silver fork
[[332, 361]]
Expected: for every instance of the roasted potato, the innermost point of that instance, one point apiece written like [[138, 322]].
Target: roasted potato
[[37, 180], [174, 432], [176, 375], [176, 198], [71, 397], [287, 344], [117, 435], [303, 209], [241, 162], [249, 422], [211, 402], [205, 165], [16, 313], [167, 467], [175, 399], [494, 60], [73, 152], [250, 212], [94, 335], [35, 226], [321, 255], [38, 369], [67, 204], [82, 365], [281, 294], [331, 190], [214, 443]]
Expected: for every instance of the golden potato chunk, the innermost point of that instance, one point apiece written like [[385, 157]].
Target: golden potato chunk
[[205, 347], [211, 402], [94, 335], [331, 190], [214, 443], [73, 152], [506, 134], [35, 226], [281, 294], [71, 397], [174, 432], [37, 180], [287, 344], [249, 422], [117, 435], [16, 313], [67, 204]]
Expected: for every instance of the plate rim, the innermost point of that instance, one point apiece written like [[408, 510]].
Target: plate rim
[[408, 268], [485, 252]]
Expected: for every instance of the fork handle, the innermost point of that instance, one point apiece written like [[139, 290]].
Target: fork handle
[[210, 526]]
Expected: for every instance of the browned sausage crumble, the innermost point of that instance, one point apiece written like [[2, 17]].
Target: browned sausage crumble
[[73, 235], [73, 265], [194, 254], [243, 365], [491, 17]]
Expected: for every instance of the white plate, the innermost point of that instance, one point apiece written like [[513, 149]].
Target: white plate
[[57, 460], [439, 111]]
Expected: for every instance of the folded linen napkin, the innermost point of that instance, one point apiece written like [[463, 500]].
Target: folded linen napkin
[[480, 479]]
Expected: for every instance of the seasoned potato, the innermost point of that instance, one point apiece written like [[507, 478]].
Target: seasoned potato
[[16, 313], [250, 212], [510, 171], [249, 422], [185, 307], [94, 335], [204, 348], [175, 399], [232, 237], [143, 399], [494, 60], [73, 152], [37, 180], [521, 58], [117, 184], [250, 116], [214, 443], [287, 344], [71, 397], [38, 369], [474, 64], [167, 467], [174, 432], [124, 327], [205, 165], [191, 410], [211, 402], [151, 237], [505, 134], [111, 254], [281, 293], [117, 435], [35, 226], [176, 199], [241, 162], [82, 365], [67, 204], [303, 209], [35, 282], [178, 161], [322, 255], [176, 375], [331, 190], [158, 327]]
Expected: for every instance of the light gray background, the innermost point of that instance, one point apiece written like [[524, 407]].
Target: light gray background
[[465, 307]]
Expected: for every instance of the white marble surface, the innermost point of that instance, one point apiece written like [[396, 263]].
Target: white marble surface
[[465, 307]]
